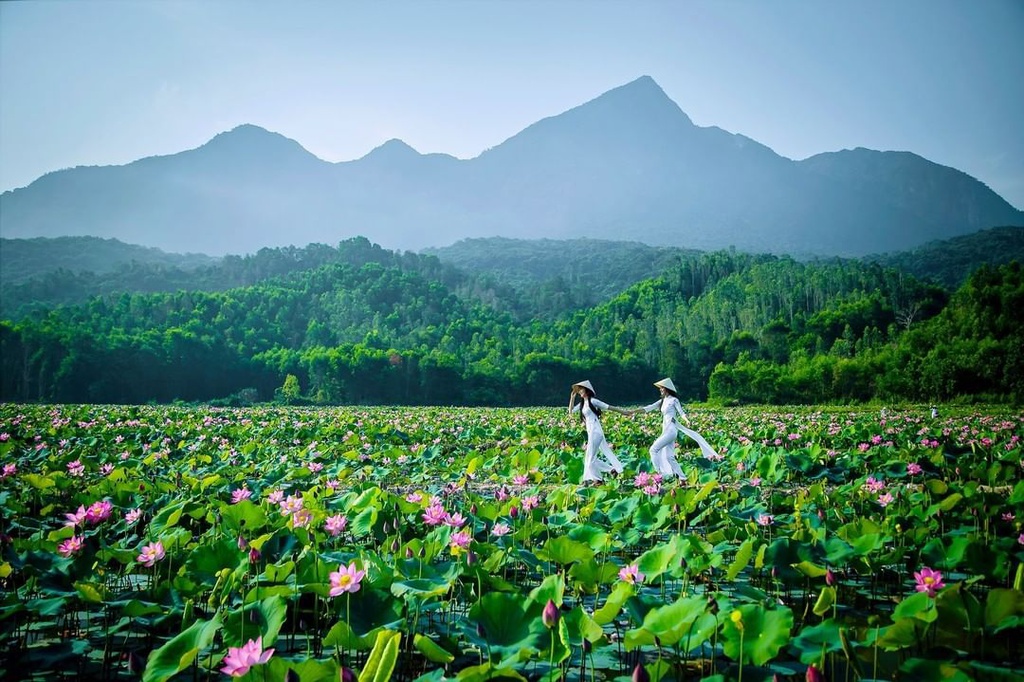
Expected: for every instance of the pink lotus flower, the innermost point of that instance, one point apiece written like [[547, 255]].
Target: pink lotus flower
[[456, 520], [346, 579], [500, 530], [885, 499], [631, 574], [435, 515], [72, 545], [290, 505], [132, 516], [106, 469], [275, 497], [530, 502], [414, 498], [755, 481], [240, 659], [76, 468], [76, 518], [461, 540], [335, 525], [521, 479], [98, 511], [1020, 539], [240, 494], [929, 581], [151, 553], [913, 468], [765, 519], [9, 470], [301, 518]]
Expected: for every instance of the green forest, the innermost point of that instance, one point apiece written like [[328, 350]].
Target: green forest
[[506, 322]]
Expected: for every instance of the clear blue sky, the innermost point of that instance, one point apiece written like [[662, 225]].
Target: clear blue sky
[[90, 82]]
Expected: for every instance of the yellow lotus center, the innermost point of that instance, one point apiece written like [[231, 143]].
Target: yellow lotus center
[[929, 580], [345, 579]]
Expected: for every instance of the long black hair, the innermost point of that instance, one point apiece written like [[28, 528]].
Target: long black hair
[[593, 408]]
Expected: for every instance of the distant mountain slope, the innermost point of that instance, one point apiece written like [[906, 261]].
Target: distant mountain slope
[[627, 165], [23, 259], [585, 271], [952, 261]]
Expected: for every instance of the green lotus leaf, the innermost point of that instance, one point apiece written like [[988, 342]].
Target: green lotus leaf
[[919, 606], [431, 650], [813, 641], [1002, 604], [180, 651], [382, 659], [931, 669], [261, 620], [613, 604], [309, 670], [552, 587], [763, 635], [563, 551], [206, 561], [420, 588], [506, 625], [244, 517]]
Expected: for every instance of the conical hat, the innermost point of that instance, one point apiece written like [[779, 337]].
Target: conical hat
[[587, 385], [666, 383]]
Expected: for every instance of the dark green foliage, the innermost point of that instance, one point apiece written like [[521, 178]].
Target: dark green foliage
[[952, 261], [359, 324]]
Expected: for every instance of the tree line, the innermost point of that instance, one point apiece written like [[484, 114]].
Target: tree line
[[356, 324]]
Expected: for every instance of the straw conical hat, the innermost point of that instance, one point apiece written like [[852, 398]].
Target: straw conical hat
[[666, 383], [587, 385]]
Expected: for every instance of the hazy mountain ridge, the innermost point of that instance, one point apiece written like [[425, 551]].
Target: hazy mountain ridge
[[558, 275], [629, 164]]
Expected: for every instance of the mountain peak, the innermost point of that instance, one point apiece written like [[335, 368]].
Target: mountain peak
[[642, 94], [248, 139], [391, 150]]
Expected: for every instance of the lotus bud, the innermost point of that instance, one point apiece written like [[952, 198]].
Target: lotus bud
[[473, 509], [640, 674], [242, 544], [814, 675], [550, 614], [830, 577], [254, 556], [514, 512], [408, 552], [470, 558], [394, 545], [347, 675]]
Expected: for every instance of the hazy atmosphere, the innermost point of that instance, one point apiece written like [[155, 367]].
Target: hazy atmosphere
[[97, 83]]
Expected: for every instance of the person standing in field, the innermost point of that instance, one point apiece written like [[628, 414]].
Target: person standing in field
[[599, 458], [663, 450]]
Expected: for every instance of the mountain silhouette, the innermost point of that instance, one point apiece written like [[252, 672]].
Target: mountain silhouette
[[629, 164]]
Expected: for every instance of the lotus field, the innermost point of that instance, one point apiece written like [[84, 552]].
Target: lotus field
[[195, 543]]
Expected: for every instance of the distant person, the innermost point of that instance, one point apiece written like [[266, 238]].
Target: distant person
[[599, 458], [663, 450]]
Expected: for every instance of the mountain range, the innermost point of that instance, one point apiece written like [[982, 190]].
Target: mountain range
[[629, 164]]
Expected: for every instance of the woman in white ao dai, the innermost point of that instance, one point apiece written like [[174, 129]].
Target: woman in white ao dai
[[663, 450], [599, 458]]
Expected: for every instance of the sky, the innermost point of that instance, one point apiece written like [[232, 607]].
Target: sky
[[96, 82]]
